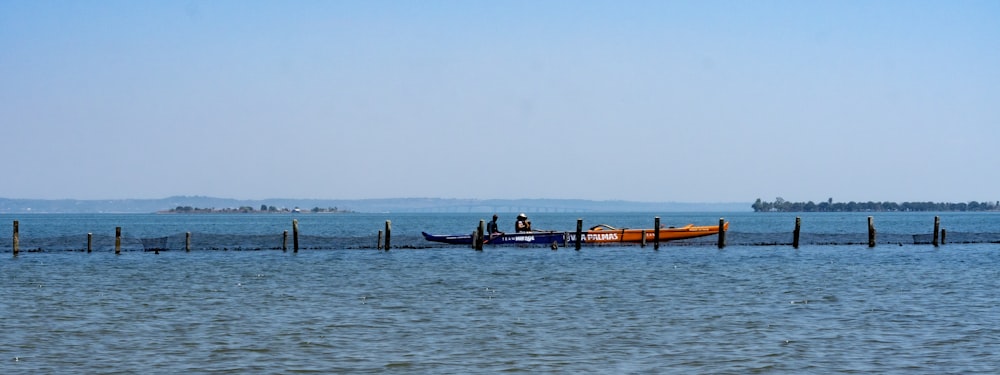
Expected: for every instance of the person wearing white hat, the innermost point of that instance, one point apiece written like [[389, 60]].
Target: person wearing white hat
[[522, 224]]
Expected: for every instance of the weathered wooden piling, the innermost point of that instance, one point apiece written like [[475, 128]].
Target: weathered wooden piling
[[942, 235], [17, 239], [388, 234], [118, 240], [795, 233], [479, 235], [90, 241], [937, 228], [656, 233], [187, 241], [722, 232], [871, 232], [378, 245], [579, 233], [643, 243], [284, 241], [295, 235]]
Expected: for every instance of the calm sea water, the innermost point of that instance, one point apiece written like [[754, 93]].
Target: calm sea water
[[897, 308]]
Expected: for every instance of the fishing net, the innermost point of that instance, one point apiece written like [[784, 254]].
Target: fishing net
[[285, 242]]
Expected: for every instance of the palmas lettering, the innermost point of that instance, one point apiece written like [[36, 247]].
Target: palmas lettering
[[597, 237], [602, 236]]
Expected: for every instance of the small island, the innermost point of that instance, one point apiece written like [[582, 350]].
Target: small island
[[264, 209], [781, 205]]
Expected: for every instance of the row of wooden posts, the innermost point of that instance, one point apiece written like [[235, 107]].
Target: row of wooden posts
[[872, 233], [187, 239], [478, 236]]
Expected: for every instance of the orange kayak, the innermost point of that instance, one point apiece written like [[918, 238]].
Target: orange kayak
[[607, 234]]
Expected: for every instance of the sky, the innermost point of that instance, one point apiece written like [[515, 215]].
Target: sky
[[660, 101]]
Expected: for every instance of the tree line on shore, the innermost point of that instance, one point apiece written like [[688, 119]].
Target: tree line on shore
[[781, 205]]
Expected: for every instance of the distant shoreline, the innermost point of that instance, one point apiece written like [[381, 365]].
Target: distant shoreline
[[781, 205], [250, 210], [378, 205]]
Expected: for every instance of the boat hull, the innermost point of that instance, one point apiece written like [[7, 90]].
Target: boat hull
[[636, 235], [545, 238]]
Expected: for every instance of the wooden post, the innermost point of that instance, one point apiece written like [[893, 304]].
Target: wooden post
[[722, 232], [795, 233], [17, 238], [90, 241], [295, 235], [118, 240], [378, 245], [474, 237], [479, 235], [187, 241], [656, 233], [937, 228], [388, 234], [643, 243], [579, 233], [871, 232], [284, 241], [942, 236]]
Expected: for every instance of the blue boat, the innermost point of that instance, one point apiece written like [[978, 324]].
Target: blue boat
[[536, 237]]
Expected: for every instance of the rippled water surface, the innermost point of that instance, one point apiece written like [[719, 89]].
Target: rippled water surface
[[691, 309]]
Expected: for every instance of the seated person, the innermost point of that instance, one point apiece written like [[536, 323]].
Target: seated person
[[522, 224], [492, 226]]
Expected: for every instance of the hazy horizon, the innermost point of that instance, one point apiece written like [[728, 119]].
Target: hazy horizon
[[499, 199], [646, 101], [383, 198]]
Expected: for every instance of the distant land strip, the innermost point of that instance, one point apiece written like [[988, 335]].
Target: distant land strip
[[376, 205], [781, 205], [264, 209]]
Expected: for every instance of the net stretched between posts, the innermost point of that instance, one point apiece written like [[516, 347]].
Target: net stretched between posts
[[154, 243], [278, 241]]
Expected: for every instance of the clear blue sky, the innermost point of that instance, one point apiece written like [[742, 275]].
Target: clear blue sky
[[689, 101]]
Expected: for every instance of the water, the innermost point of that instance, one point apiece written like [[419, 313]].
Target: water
[[684, 309], [50, 233]]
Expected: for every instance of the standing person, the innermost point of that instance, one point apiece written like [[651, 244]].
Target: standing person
[[492, 226], [522, 224]]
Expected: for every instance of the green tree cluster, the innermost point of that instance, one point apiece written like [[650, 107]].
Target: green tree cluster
[[781, 205]]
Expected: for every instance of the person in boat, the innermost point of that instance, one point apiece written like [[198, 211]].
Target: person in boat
[[492, 226], [522, 224]]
